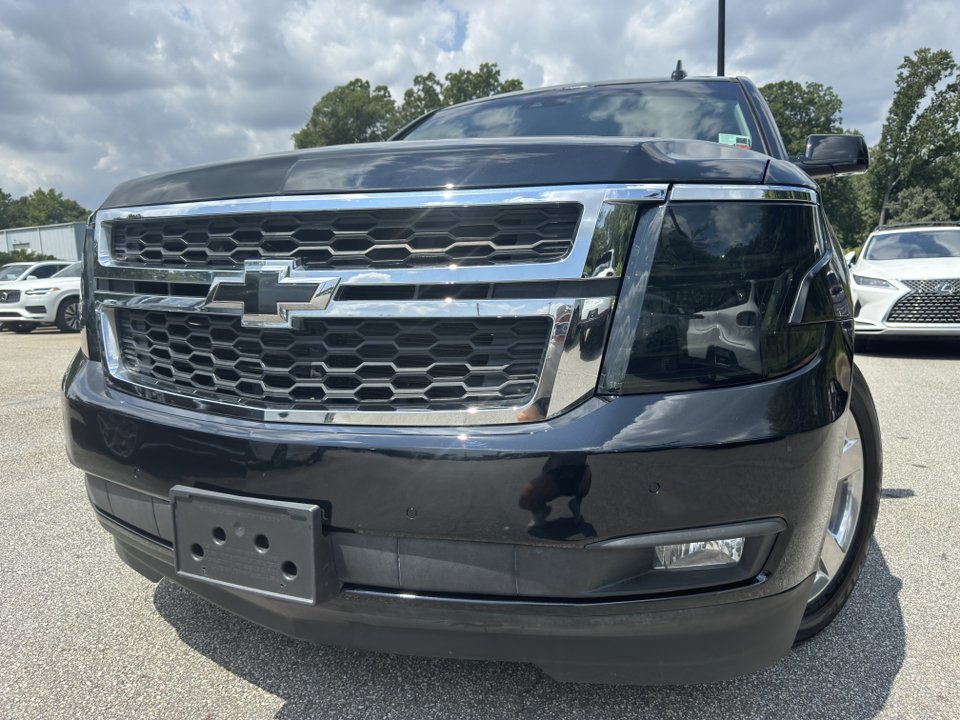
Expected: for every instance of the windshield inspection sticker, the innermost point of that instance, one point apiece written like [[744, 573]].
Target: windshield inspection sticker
[[742, 141]]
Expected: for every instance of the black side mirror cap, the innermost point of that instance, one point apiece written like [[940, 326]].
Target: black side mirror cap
[[833, 156]]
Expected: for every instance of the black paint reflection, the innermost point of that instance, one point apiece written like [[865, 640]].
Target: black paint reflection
[[120, 435], [563, 476]]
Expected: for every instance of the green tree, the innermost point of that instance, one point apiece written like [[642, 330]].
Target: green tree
[[23, 256], [920, 139], [918, 204], [347, 114], [352, 113], [814, 109], [11, 211], [47, 207], [802, 110], [41, 207], [425, 95], [466, 85]]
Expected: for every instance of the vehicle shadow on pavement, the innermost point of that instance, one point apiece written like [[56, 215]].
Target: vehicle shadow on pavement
[[846, 671], [940, 348]]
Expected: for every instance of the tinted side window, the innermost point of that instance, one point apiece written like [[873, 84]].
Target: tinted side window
[[45, 271]]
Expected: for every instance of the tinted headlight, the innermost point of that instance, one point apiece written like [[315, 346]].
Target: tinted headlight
[[722, 287]]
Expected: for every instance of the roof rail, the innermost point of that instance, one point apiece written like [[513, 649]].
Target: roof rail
[[928, 223]]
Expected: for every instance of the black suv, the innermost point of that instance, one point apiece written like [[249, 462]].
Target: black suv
[[563, 376]]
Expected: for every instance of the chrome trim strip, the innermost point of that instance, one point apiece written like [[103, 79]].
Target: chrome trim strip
[[611, 240], [109, 338], [752, 528], [354, 308], [630, 302], [742, 192]]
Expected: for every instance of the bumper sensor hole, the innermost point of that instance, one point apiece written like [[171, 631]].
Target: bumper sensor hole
[[196, 551], [289, 570], [263, 544], [219, 535]]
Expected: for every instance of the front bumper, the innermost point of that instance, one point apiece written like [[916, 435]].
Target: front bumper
[[658, 464], [664, 642], [873, 308], [37, 312]]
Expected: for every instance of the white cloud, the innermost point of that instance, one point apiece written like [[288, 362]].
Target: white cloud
[[95, 93]]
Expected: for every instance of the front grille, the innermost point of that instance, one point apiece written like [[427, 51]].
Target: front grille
[[9, 296], [932, 301], [392, 237], [338, 363]]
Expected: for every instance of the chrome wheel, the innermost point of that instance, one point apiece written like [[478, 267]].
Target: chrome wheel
[[71, 316], [846, 511]]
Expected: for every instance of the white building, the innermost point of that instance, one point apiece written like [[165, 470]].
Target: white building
[[63, 241]]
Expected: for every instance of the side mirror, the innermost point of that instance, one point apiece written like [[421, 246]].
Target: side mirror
[[32, 277], [850, 258], [833, 156]]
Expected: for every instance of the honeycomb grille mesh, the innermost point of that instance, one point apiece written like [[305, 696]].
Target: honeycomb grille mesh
[[932, 301], [395, 237], [338, 363]]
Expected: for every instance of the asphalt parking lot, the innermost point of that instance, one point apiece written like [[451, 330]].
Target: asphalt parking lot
[[82, 636]]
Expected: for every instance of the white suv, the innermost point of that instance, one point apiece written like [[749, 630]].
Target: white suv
[[906, 281], [15, 272], [28, 304]]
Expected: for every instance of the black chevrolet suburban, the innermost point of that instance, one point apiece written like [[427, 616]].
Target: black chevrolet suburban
[[562, 376]]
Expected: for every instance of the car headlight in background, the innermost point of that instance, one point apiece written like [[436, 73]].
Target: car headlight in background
[[41, 291], [872, 282]]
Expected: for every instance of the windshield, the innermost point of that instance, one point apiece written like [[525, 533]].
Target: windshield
[[714, 111], [909, 244], [70, 271], [12, 272]]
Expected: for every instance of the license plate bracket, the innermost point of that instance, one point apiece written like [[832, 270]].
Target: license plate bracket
[[267, 547]]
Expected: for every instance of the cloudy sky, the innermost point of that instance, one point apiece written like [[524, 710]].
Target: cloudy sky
[[94, 92]]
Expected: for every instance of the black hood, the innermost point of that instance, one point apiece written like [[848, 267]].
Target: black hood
[[461, 164]]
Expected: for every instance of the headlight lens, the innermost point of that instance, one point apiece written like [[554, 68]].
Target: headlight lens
[[872, 282], [40, 291], [718, 303]]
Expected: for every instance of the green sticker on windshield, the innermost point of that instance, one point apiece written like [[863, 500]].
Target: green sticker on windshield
[[738, 140]]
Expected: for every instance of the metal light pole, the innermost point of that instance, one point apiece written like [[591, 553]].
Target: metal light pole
[[721, 36]]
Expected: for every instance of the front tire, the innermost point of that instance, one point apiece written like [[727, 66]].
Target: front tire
[[68, 315], [21, 328], [854, 515]]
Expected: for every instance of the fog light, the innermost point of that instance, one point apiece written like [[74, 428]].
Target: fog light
[[696, 555]]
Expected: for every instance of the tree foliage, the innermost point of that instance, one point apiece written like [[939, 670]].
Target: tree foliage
[[914, 171], [918, 204], [41, 207], [920, 142], [23, 256], [350, 113], [353, 113], [802, 110]]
